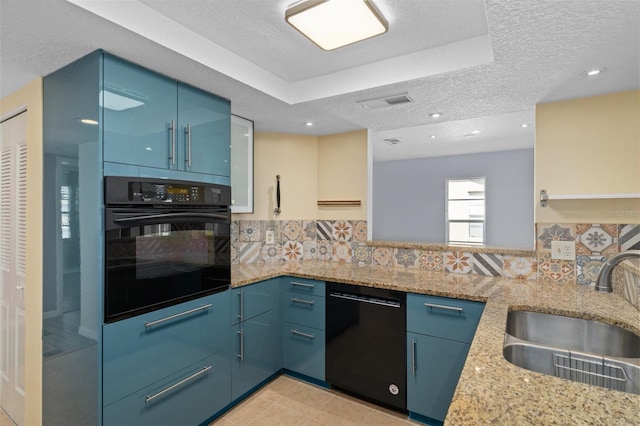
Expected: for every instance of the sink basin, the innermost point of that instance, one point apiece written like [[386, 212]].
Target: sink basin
[[584, 351], [575, 334]]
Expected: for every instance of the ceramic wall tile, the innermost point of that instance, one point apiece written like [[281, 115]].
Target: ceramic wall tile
[[291, 230], [309, 249], [309, 230], [407, 258], [596, 239], [554, 232], [248, 252], [235, 231], [250, 231], [458, 262], [520, 267], [361, 253], [342, 252], [360, 231], [488, 264], [324, 249], [324, 230], [271, 253], [587, 268], [382, 256], [629, 237], [234, 252], [292, 251], [431, 260], [342, 230], [558, 271]]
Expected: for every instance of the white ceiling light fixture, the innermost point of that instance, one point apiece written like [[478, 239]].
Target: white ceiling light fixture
[[594, 72], [435, 115], [331, 24]]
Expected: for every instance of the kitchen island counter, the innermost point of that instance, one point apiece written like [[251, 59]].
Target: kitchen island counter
[[491, 390]]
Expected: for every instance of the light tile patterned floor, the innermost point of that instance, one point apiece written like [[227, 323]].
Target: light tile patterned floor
[[287, 402], [4, 419]]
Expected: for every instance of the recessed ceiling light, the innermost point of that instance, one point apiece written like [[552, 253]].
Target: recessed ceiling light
[[308, 123], [524, 125], [332, 24], [435, 115], [475, 132], [432, 136], [594, 72]]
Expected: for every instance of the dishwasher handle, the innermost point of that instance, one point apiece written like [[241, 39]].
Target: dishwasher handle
[[365, 299]]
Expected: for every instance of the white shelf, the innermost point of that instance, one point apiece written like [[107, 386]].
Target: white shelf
[[544, 197]]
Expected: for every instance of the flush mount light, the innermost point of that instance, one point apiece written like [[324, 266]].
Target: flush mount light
[[594, 72], [331, 24], [435, 115]]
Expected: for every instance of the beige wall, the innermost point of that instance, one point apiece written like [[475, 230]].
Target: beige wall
[[30, 98], [311, 168], [589, 146], [342, 174]]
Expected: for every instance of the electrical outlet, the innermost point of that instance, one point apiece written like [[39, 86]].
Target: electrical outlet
[[269, 237], [563, 250]]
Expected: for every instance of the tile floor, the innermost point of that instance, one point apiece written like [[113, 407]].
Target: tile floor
[[287, 401], [4, 419]]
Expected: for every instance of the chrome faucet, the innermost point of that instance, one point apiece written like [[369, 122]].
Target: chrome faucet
[[603, 282]]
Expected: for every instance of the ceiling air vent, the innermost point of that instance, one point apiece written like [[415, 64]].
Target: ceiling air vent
[[393, 141], [387, 101]]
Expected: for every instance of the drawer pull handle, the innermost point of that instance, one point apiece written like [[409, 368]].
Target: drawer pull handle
[[203, 370], [413, 356], [445, 307], [241, 354], [241, 316], [181, 314], [300, 333], [305, 302], [293, 283]]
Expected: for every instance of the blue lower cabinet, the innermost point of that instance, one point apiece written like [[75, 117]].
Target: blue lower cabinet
[[303, 350], [188, 397], [254, 299], [433, 368], [303, 309], [141, 350], [256, 351]]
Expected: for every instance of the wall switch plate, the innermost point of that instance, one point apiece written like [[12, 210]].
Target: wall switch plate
[[269, 237], [563, 250]]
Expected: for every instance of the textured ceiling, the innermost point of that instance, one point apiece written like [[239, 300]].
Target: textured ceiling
[[538, 49]]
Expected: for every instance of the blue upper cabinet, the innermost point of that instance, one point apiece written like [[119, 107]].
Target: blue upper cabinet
[[156, 122], [205, 131]]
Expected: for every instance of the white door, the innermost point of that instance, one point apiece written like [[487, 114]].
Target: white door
[[13, 193]]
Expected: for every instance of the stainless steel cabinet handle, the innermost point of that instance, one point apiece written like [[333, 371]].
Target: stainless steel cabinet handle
[[203, 370], [241, 312], [187, 131], [181, 314], [172, 153], [300, 333], [241, 354], [413, 356], [390, 304], [306, 302], [445, 307], [293, 283]]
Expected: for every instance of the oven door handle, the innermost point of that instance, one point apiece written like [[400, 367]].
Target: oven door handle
[[159, 218]]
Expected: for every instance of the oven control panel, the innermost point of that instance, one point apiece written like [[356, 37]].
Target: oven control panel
[[120, 190]]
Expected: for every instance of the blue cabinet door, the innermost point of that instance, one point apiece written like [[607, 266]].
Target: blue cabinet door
[[433, 369], [303, 350], [204, 132], [139, 107], [303, 309], [254, 299], [256, 351], [188, 397]]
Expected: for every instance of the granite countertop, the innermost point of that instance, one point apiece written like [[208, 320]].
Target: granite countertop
[[491, 390]]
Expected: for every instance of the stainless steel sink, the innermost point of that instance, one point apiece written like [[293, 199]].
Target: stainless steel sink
[[581, 350]]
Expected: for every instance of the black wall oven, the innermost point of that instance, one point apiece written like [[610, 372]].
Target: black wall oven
[[166, 242]]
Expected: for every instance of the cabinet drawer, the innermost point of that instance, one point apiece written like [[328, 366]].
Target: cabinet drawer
[[186, 398], [452, 319], [304, 286], [303, 309], [254, 299], [303, 350], [138, 352]]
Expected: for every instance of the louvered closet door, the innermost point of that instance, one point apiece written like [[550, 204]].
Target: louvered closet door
[[13, 194]]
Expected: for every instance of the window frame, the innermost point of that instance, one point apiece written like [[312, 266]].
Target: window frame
[[483, 221]]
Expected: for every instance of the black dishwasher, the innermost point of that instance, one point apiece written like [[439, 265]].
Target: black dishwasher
[[366, 343]]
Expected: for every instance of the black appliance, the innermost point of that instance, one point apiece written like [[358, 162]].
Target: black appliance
[[166, 242], [366, 343]]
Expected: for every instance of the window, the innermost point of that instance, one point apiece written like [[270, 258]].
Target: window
[[466, 211]]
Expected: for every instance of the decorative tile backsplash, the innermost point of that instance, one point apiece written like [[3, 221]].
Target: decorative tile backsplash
[[346, 241]]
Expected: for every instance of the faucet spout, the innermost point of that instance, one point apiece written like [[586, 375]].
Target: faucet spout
[[603, 282]]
